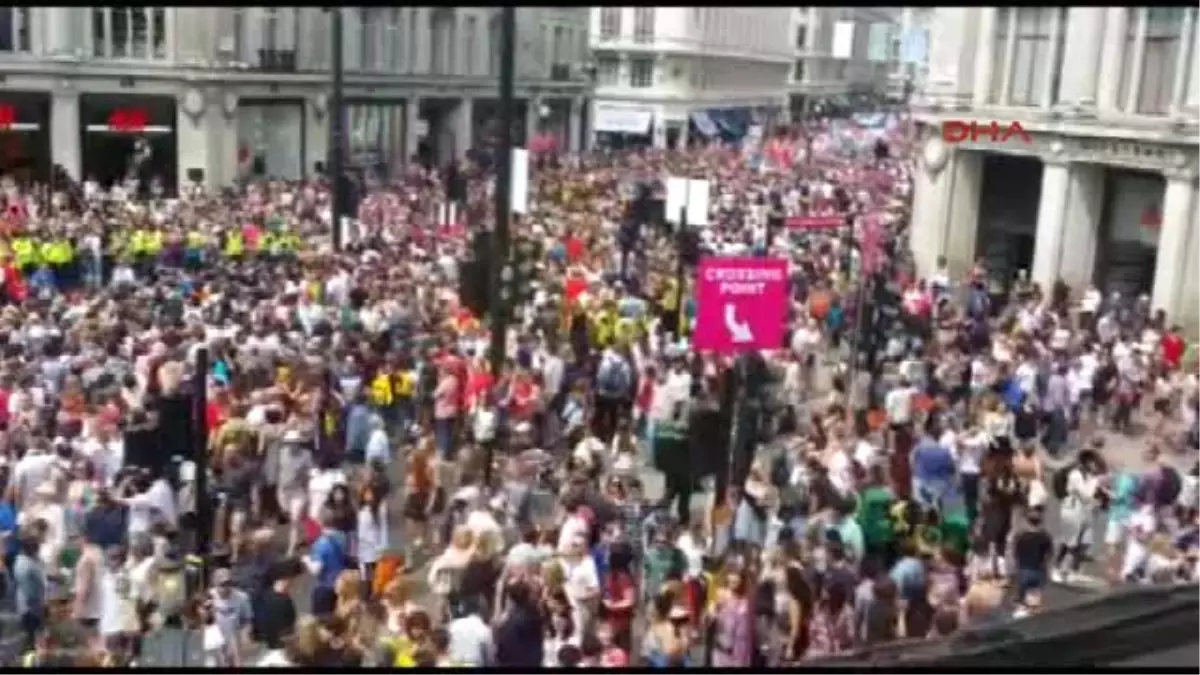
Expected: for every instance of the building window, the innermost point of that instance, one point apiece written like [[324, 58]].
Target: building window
[[1033, 53], [559, 53], [641, 73], [472, 34], [372, 20], [798, 71], [608, 71], [610, 23], [643, 24], [801, 37], [1163, 34], [14, 29], [129, 32]]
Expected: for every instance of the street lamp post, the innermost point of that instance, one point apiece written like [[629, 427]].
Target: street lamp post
[[499, 253], [337, 130]]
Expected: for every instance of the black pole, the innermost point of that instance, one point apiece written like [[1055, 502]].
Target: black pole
[[337, 129], [680, 279], [502, 193], [204, 515]]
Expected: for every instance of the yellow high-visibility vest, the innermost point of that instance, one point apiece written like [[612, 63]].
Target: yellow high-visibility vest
[[234, 247], [154, 242], [381, 390], [195, 240], [137, 242], [64, 251], [46, 252], [267, 243], [25, 251]]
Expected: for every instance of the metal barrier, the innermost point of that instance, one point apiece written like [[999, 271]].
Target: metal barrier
[[1101, 630]]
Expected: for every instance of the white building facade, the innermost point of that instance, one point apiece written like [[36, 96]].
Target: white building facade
[[818, 73], [665, 73], [1104, 191], [222, 92]]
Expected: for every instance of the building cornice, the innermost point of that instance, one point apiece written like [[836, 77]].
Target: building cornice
[[197, 76]]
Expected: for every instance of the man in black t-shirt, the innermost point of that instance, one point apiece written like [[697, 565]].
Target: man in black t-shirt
[[275, 615], [1032, 551]]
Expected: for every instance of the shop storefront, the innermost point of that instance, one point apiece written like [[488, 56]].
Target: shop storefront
[[25, 136], [270, 139], [619, 127], [130, 136], [1131, 221], [375, 136]]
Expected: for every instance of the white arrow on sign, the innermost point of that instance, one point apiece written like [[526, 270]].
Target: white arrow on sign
[[740, 331]]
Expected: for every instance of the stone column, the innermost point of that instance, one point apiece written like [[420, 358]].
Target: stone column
[[1192, 98], [574, 139], [982, 83], [1178, 219], [1185, 61], [1085, 200], [1010, 53], [1112, 57], [64, 132], [1138, 64], [950, 40], [412, 124], [1051, 223], [586, 134], [1082, 57], [463, 118], [424, 34], [59, 35], [961, 224], [1050, 74]]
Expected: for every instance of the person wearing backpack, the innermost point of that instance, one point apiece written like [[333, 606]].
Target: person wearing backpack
[[614, 386]]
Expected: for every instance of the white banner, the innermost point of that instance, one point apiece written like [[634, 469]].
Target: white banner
[[621, 120], [843, 40]]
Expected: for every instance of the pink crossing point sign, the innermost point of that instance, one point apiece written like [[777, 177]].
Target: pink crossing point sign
[[741, 304]]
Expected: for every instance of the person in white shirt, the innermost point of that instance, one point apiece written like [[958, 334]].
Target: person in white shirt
[[582, 582], [1076, 516], [31, 472], [970, 448], [373, 538], [1139, 530], [898, 405], [470, 637], [156, 503]]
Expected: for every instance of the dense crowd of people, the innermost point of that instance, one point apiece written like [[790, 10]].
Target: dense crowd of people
[[380, 496]]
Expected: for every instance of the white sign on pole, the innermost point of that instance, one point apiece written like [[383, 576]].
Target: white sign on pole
[[519, 194], [689, 195], [843, 40]]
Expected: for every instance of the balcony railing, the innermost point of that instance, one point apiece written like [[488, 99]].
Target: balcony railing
[[276, 60], [560, 72]]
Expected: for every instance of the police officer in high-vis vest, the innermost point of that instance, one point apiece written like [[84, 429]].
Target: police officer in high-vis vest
[[234, 246], [26, 254]]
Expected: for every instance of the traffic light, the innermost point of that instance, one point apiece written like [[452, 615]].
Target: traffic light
[[474, 276], [519, 274]]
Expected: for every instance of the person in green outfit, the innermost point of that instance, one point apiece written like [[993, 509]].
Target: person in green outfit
[[874, 517]]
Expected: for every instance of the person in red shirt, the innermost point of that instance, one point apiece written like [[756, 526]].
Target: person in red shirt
[[574, 247], [1173, 347], [14, 283], [479, 382], [523, 397]]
